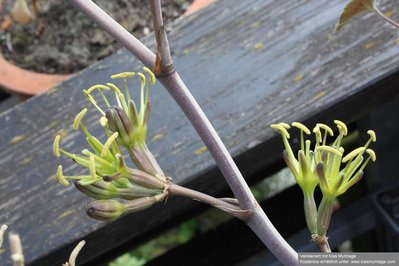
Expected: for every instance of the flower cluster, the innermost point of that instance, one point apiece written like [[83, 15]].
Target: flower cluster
[[325, 166], [108, 177]]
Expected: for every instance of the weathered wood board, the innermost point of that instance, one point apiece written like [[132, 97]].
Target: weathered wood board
[[248, 63]]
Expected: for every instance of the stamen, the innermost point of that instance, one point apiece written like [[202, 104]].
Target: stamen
[[329, 149], [56, 146], [142, 103], [285, 125], [78, 119], [280, 127], [372, 155], [120, 97], [92, 167], [301, 127], [372, 135], [97, 87], [326, 128], [307, 148], [341, 127], [105, 99], [61, 177], [150, 74], [318, 136], [103, 121], [107, 144], [123, 75], [93, 101], [353, 154]]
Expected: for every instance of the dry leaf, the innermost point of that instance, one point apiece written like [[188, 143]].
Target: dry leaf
[[353, 8]]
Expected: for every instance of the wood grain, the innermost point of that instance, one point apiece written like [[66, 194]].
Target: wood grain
[[248, 63]]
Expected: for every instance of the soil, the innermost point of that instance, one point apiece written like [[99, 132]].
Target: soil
[[62, 40]]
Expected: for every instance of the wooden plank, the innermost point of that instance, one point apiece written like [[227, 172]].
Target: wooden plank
[[302, 73], [349, 223], [224, 244]]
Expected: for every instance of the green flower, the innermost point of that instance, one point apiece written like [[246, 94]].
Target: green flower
[[108, 176], [325, 165]]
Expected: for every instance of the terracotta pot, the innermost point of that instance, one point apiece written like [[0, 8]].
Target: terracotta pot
[[20, 81], [197, 5], [24, 82]]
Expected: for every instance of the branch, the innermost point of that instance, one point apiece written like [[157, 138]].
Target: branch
[[163, 62], [176, 190], [258, 221], [387, 19]]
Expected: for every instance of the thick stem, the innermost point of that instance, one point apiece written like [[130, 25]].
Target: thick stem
[[258, 221], [324, 245], [390, 21]]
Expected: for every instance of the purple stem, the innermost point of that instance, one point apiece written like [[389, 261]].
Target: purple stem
[[258, 221]]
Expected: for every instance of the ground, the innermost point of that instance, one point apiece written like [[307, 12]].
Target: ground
[[61, 40]]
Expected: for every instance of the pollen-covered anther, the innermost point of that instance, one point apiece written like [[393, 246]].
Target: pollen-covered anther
[[329, 149], [282, 128], [103, 121], [78, 119], [97, 87], [150, 74], [372, 135], [123, 75], [341, 127], [56, 146], [372, 155], [301, 127], [60, 176], [353, 154], [326, 128]]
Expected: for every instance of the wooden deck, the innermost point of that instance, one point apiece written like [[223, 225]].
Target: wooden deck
[[248, 63]]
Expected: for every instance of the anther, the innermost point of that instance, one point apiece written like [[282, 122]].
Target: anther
[[353, 154], [326, 128], [56, 146], [78, 119], [61, 177], [282, 130], [97, 87], [329, 149], [103, 121], [301, 127], [150, 74], [123, 75], [341, 127], [372, 135], [372, 155]]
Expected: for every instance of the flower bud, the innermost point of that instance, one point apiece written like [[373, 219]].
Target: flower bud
[[105, 210], [100, 190], [118, 121]]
